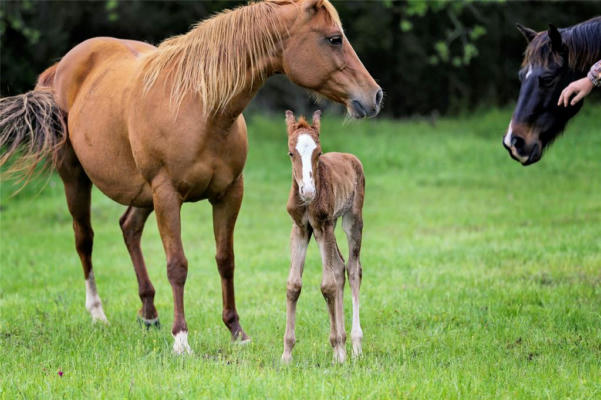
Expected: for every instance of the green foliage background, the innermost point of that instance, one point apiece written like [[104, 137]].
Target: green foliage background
[[431, 57]]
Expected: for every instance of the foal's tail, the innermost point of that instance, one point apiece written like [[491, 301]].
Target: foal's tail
[[32, 129]]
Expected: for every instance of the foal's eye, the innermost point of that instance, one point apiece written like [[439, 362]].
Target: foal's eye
[[290, 154], [335, 40]]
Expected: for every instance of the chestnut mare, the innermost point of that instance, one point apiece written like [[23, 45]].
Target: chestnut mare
[[155, 127], [324, 188]]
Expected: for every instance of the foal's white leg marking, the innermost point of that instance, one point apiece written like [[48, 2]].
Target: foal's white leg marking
[[356, 331], [93, 303], [180, 343], [305, 146]]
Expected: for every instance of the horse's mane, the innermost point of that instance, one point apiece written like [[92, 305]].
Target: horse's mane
[[583, 41], [214, 60]]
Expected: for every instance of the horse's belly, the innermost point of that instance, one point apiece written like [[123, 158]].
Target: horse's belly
[[99, 138]]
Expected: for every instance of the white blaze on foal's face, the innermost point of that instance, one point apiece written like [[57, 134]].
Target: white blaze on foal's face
[[305, 147]]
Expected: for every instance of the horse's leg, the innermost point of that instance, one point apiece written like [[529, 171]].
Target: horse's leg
[[78, 191], [132, 224], [167, 205], [332, 286], [352, 223], [299, 240], [225, 212]]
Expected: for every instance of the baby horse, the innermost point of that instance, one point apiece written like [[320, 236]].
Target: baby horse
[[324, 188]]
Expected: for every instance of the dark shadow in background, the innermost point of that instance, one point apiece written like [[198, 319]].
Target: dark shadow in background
[[38, 33]]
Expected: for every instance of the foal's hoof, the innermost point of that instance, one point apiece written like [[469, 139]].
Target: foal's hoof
[[357, 350], [286, 358], [339, 355], [148, 323]]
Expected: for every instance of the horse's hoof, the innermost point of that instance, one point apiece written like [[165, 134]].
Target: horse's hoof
[[180, 343], [148, 323], [241, 338]]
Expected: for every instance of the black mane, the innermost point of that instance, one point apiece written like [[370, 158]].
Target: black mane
[[582, 40]]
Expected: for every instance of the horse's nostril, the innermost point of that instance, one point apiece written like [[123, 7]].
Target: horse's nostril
[[379, 96], [517, 142]]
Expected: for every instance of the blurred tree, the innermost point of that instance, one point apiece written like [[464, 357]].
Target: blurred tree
[[431, 57]]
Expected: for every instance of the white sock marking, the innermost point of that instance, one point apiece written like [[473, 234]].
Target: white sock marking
[[180, 343], [93, 303]]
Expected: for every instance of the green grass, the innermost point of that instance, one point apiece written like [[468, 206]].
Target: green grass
[[481, 278]]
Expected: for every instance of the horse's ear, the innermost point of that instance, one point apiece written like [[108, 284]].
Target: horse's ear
[[311, 6], [555, 36], [317, 120], [290, 121], [528, 33]]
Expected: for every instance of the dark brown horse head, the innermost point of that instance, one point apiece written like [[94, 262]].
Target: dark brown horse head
[[553, 59], [304, 150], [318, 56]]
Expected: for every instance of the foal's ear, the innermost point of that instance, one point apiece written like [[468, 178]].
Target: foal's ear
[[555, 36], [528, 33], [290, 121], [317, 120]]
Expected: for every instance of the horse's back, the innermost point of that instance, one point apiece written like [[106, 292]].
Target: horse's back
[[92, 58]]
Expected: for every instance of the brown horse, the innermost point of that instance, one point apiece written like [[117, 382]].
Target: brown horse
[[324, 188], [155, 127]]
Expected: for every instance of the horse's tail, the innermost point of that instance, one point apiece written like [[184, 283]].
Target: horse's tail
[[32, 129]]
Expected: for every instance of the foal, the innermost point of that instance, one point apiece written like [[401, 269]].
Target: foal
[[324, 188]]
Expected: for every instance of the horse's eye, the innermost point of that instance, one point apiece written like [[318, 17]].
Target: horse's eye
[[319, 155], [335, 40], [290, 153], [545, 80]]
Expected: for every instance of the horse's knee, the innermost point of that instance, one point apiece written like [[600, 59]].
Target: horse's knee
[[289, 341], [177, 270], [293, 289], [328, 289]]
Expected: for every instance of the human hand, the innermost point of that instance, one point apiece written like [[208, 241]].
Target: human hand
[[579, 88]]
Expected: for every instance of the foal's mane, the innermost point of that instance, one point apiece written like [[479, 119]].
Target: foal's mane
[[582, 40], [215, 58]]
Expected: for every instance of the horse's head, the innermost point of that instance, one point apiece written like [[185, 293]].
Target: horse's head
[[318, 56], [304, 150], [537, 119]]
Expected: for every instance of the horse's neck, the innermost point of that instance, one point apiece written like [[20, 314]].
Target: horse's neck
[[244, 96], [261, 71]]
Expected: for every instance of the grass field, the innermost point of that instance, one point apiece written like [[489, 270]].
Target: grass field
[[482, 279]]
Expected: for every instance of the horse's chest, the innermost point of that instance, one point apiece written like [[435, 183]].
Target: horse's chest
[[213, 170]]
